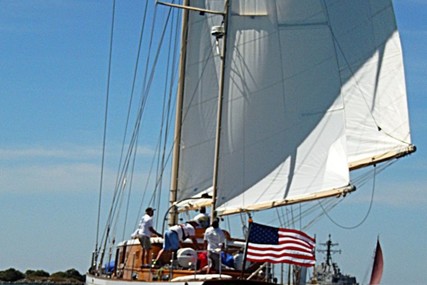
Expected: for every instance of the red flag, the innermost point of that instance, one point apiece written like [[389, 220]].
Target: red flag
[[278, 245], [377, 269]]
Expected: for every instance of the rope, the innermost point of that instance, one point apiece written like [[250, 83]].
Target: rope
[[126, 162], [141, 36], [367, 213], [105, 126]]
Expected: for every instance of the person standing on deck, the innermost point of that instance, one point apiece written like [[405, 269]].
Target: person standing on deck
[[143, 233], [214, 240]]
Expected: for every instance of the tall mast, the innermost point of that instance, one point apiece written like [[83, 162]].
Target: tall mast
[[219, 113], [173, 216]]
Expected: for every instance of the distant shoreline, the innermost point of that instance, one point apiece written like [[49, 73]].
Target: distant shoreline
[[39, 277]]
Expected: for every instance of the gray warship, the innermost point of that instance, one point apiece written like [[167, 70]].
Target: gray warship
[[328, 272]]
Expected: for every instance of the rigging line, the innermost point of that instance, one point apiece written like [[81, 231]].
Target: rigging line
[[150, 171], [164, 126], [282, 215], [146, 185], [279, 217], [143, 97], [171, 61], [141, 36], [305, 213], [124, 170], [117, 213], [330, 205], [292, 216], [367, 213], [130, 191], [147, 87], [162, 134], [364, 178], [133, 88], [118, 190], [105, 125], [120, 187], [150, 45]]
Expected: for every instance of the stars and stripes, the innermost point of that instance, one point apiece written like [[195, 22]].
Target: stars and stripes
[[277, 245]]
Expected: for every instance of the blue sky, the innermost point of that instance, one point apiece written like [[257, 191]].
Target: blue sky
[[53, 69]]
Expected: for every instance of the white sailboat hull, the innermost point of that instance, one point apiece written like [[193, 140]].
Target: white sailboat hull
[[96, 280], [197, 279]]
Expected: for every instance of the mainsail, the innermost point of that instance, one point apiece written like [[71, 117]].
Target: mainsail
[[311, 90]]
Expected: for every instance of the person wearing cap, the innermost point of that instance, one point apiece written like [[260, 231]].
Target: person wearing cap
[[144, 231], [214, 240], [176, 234]]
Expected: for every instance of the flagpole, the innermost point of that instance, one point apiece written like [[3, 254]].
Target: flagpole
[[246, 247]]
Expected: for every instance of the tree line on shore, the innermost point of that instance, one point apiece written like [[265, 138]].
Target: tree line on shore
[[71, 276]]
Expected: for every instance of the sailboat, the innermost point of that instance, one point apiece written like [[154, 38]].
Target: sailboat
[[378, 265], [277, 101]]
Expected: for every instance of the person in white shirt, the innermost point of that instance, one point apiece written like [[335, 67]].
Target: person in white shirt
[[175, 235], [214, 240], [202, 218], [144, 231]]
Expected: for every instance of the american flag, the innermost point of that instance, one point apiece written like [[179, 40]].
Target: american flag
[[277, 245]]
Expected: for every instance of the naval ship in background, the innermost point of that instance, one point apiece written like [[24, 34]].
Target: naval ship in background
[[328, 272]]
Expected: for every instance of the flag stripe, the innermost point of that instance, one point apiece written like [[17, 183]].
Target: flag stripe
[[280, 259], [297, 234], [272, 252], [296, 240]]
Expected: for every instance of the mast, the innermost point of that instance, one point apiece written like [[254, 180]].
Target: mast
[[219, 113], [329, 251], [173, 216]]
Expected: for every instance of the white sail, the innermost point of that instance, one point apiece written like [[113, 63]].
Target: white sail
[[283, 131], [312, 88], [281, 99], [371, 68], [199, 104]]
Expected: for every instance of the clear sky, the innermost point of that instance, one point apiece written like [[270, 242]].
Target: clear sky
[[53, 70]]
